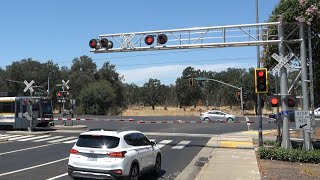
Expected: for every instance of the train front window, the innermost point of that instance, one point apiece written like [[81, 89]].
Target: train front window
[[46, 107]]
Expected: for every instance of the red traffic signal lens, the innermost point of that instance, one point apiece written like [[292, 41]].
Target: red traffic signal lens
[[162, 39], [59, 94], [274, 102], [260, 73], [291, 102], [104, 42], [149, 39], [93, 43]]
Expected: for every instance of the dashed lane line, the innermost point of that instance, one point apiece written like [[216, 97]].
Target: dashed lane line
[[32, 167]]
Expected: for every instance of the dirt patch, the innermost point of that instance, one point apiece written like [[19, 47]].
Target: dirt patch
[[270, 169]]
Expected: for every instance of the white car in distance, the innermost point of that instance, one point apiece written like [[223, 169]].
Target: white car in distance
[[105, 154], [216, 115]]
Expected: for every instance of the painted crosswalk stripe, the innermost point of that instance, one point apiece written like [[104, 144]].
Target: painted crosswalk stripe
[[9, 136], [32, 138], [163, 143], [181, 144], [71, 141], [50, 138], [21, 137], [64, 139]]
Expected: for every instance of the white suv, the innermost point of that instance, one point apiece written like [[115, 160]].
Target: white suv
[[113, 155]]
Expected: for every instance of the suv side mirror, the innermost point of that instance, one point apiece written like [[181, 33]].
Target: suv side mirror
[[152, 143]]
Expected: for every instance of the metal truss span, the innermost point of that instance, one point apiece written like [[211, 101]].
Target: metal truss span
[[191, 38]]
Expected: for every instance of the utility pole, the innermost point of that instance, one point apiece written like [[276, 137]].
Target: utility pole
[[286, 143], [259, 110], [305, 101]]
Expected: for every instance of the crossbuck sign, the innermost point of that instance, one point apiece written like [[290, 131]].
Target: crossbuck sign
[[282, 62], [28, 86]]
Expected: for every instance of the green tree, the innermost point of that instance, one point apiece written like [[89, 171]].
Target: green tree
[[186, 94], [98, 98], [307, 11], [152, 92]]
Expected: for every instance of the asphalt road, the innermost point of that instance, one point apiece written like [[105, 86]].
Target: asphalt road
[[26, 159]]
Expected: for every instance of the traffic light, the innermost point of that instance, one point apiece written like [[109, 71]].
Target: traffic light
[[8, 83], [274, 101], [149, 39], [102, 43], [59, 94], [162, 39], [290, 101], [191, 82], [261, 80]]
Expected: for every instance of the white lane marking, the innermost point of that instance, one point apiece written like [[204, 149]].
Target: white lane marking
[[72, 141], [152, 140], [32, 167], [9, 136], [56, 177], [163, 143], [45, 139], [181, 144], [16, 138], [9, 152], [32, 138], [63, 139]]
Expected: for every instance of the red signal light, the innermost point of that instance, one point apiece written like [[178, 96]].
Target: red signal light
[[261, 80], [93, 43], [149, 39], [59, 94], [260, 73], [274, 101]]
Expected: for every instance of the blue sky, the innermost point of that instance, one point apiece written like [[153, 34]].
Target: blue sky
[[60, 30]]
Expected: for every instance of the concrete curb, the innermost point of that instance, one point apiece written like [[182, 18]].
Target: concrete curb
[[70, 127]]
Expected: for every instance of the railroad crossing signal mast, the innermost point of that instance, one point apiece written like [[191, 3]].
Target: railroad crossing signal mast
[[215, 37]]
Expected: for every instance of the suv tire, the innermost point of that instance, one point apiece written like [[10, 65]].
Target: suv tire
[[157, 166], [134, 172]]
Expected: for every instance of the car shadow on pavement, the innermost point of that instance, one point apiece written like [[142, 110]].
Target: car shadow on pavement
[[151, 176]]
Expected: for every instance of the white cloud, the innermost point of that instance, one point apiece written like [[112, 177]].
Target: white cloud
[[168, 74]]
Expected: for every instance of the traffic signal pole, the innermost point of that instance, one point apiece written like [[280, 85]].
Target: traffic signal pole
[[286, 143], [307, 145]]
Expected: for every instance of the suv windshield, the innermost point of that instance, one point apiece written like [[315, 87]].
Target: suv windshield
[[96, 141]]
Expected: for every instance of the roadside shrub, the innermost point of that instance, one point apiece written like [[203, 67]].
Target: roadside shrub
[[271, 143], [290, 155]]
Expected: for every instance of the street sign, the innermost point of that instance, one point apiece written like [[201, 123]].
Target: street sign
[[200, 78], [28, 86], [281, 62], [302, 119]]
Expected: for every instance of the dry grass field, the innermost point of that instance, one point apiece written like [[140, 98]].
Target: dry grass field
[[187, 111]]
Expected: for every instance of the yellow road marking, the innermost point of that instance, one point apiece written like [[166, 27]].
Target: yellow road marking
[[234, 144]]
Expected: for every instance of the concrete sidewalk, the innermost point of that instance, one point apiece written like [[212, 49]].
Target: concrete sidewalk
[[229, 157]]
